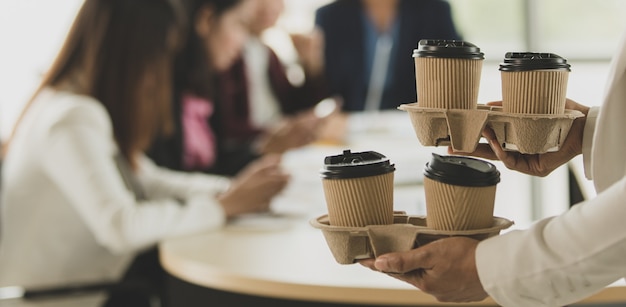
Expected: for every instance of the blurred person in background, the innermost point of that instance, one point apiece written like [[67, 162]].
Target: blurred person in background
[[81, 203], [213, 44], [233, 111], [259, 109], [368, 46]]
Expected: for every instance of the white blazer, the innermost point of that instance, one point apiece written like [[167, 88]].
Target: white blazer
[[567, 258], [68, 217]]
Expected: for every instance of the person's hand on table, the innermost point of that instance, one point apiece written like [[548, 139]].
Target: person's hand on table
[[533, 164], [334, 126], [445, 269], [292, 132], [253, 188]]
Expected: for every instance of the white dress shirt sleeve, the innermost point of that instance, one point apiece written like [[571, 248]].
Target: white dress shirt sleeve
[[589, 130], [159, 182], [558, 260], [80, 157]]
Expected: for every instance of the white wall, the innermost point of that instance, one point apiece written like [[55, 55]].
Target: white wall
[[31, 32]]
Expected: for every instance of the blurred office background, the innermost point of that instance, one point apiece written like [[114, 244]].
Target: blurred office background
[[583, 31], [586, 32]]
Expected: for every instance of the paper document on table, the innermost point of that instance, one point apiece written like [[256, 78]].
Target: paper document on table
[[267, 221]]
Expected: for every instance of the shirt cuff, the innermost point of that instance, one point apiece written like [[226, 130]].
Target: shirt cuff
[[590, 125]]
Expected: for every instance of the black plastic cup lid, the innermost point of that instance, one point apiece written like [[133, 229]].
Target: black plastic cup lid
[[462, 171], [446, 48], [355, 165], [525, 61]]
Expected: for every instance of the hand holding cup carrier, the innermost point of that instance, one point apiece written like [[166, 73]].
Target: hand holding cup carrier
[[460, 191], [532, 119], [361, 222]]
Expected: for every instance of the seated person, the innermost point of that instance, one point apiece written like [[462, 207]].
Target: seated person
[[80, 200], [368, 46], [259, 110]]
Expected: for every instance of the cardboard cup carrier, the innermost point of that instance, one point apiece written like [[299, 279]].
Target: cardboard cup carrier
[[361, 222], [532, 119]]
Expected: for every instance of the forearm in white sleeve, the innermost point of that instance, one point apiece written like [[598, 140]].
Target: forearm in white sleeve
[[80, 158], [159, 182], [558, 260]]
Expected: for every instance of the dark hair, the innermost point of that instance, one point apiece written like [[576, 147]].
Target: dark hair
[[193, 69], [120, 52]]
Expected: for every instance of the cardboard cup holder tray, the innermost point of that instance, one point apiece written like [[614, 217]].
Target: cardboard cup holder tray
[[461, 129], [348, 244]]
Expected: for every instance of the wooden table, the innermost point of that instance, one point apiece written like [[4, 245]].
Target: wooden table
[[279, 255]]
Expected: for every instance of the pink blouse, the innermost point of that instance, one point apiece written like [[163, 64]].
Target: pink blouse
[[198, 138]]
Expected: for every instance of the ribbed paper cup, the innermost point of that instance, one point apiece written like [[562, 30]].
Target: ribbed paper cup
[[534, 83], [447, 74], [460, 193], [453, 207], [359, 202], [358, 188], [447, 83]]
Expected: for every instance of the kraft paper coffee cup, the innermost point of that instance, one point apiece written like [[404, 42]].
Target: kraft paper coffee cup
[[358, 188], [534, 83], [460, 193], [447, 74]]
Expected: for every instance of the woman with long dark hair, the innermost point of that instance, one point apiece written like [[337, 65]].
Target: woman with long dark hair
[[80, 200]]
